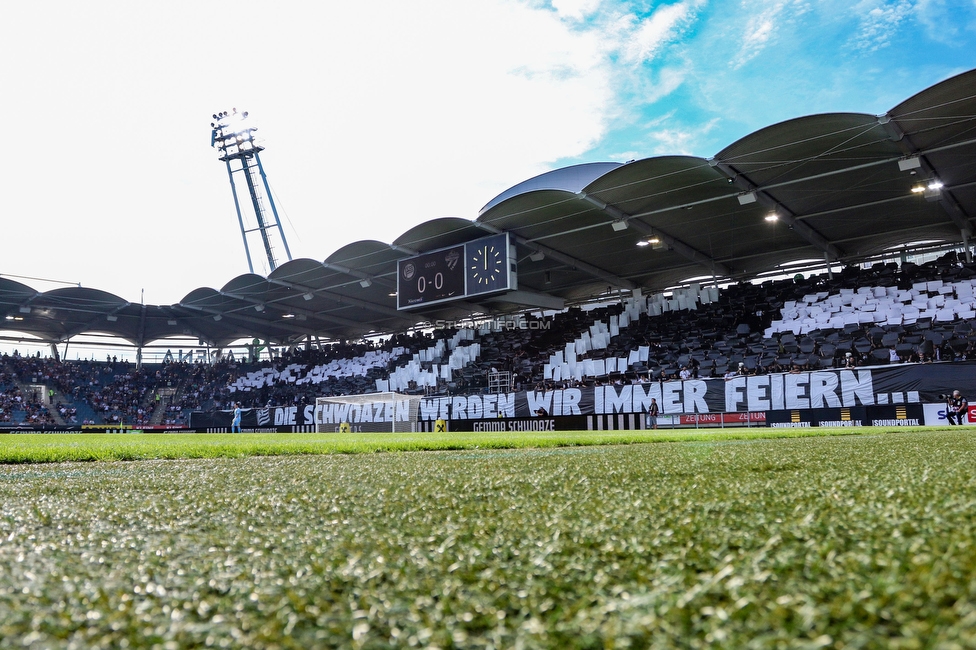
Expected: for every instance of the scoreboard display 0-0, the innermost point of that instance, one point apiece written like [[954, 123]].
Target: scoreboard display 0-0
[[430, 278], [478, 267]]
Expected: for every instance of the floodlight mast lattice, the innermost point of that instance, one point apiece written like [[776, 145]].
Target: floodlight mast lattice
[[234, 139]]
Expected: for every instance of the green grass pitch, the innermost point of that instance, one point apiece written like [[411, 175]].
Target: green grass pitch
[[38, 448], [844, 541]]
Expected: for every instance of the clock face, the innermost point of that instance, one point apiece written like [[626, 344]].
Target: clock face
[[486, 263]]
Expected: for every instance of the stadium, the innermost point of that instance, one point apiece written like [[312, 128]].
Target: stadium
[[613, 261], [815, 274]]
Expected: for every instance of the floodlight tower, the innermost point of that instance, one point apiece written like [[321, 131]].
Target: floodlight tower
[[234, 139]]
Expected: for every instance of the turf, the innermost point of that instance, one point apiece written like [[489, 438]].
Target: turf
[[40, 448], [853, 541]]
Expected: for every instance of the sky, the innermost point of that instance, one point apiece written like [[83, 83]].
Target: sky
[[376, 116]]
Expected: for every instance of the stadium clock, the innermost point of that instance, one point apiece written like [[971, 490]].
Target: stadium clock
[[487, 265]]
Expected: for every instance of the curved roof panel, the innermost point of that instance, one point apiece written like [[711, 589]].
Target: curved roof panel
[[941, 114], [368, 256], [568, 179], [438, 233]]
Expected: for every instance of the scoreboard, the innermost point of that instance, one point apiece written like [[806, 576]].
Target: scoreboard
[[478, 267]]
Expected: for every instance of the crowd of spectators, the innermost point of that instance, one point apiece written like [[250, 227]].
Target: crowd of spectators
[[18, 407], [723, 338], [117, 392]]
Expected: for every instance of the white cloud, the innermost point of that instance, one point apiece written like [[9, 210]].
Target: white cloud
[[878, 23], [768, 23], [669, 80], [625, 156], [940, 23], [759, 32], [662, 27], [575, 9], [676, 140]]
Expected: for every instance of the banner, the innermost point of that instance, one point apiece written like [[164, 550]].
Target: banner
[[901, 415], [10, 427], [263, 418], [822, 389], [877, 386], [513, 425]]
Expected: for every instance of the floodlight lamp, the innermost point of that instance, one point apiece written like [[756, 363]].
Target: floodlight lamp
[[365, 283], [10, 317], [933, 191], [288, 315], [918, 189], [619, 225], [537, 256], [112, 318], [307, 296], [747, 198], [217, 317], [772, 217], [25, 310], [643, 242], [171, 322], [653, 239], [258, 307]]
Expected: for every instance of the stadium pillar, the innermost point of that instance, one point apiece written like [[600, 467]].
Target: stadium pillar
[[965, 244]]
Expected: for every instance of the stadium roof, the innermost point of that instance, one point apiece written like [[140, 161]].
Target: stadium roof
[[840, 184]]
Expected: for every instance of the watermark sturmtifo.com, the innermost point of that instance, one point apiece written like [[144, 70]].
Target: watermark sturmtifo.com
[[494, 325]]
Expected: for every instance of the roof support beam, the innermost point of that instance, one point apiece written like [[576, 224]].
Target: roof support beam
[[562, 258], [90, 325], [304, 312], [679, 247], [355, 302], [362, 277], [27, 303], [785, 215], [246, 319], [531, 299], [141, 336], [946, 198], [187, 328]]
